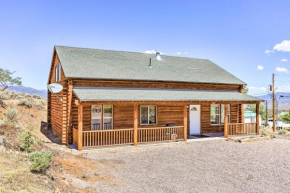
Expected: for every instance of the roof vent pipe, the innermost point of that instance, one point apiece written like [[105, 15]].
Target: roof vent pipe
[[158, 57]]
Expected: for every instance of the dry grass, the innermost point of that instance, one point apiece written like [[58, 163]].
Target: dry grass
[[15, 175]]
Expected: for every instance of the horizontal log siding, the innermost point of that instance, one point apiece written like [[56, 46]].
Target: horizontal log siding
[[206, 127], [153, 84], [57, 110]]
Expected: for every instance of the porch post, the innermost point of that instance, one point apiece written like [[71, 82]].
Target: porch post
[[135, 123], [185, 122], [226, 120], [80, 127], [258, 118]]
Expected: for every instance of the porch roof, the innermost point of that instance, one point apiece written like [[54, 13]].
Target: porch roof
[[140, 94]]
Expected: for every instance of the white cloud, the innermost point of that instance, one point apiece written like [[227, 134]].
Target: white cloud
[[257, 90], [268, 51], [284, 46], [284, 60], [186, 52], [283, 88], [178, 53], [278, 69], [150, 52], [260, 67]]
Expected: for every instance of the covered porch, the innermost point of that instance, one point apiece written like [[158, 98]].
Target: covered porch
[[170, 119]]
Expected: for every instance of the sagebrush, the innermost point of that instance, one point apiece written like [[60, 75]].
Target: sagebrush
[[40, 160], [11, 114], [25, 102]]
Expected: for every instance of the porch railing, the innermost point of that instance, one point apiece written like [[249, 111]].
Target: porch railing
[[160, 134], [242, 129], [116, 137], [101, 138]]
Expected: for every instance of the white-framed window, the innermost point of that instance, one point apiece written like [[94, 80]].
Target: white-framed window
[[56, 74], [59, 72], [148, 114], [102, 117], [217, 114]]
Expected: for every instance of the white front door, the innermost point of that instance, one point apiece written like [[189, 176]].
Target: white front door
[[194, 119]]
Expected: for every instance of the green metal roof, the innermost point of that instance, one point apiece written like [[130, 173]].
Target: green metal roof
[[249, 114], [138, 94], [108, 64]]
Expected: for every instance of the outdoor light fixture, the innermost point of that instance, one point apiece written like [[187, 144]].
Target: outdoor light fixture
[[157, 57]]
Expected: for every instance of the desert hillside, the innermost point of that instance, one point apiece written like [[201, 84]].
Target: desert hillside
[[67, 170]]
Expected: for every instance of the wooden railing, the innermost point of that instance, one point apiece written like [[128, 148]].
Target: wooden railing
[[75, 136], [160, 134], [101, 138], [116, 137], [242, 129]]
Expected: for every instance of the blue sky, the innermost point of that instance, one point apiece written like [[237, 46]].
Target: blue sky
[[233, 34]]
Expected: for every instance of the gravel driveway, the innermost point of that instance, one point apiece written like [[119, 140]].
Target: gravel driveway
[[206, 166]]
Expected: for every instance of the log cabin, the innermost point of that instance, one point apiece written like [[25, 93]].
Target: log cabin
[[112, 98]]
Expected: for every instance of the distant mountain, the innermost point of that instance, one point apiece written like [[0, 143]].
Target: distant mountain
[[29, 90], [283, 99]]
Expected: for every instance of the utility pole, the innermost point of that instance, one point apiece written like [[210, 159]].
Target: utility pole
[[266, 112], [273, 98]]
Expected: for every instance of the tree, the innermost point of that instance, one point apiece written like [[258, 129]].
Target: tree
[[252, 107], [7, 80], [286, 117]]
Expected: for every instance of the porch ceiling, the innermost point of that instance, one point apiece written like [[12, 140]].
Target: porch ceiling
[[139, 94]]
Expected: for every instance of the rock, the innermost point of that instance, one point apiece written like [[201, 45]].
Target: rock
[[2, 140]]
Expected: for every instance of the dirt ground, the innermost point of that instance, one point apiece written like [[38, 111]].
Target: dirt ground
[[207, 166]]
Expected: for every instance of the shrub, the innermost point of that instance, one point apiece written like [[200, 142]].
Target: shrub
[[264, 133], [25, 102], [28, 139], [40, 161], [11, 114], [273, 136], [282, 132]]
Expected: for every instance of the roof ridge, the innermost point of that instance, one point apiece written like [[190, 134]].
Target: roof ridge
[[129, 52]]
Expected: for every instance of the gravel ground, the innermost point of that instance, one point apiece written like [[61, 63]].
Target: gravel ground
[[206, 166]]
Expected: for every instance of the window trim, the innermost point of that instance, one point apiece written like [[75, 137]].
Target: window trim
[[59, 72], [148, 114], [56, 73], [220, 113], [102, 117]]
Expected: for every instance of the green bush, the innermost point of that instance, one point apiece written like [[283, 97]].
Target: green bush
[[25, 102], [40, 161], [273, 136], [282, 132], [11, 114], [264, 133], [28, 139]]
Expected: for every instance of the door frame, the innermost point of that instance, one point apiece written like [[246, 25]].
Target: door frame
[[198, 119]]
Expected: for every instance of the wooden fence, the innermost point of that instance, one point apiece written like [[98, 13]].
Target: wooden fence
[[116, 137], [242, 129]]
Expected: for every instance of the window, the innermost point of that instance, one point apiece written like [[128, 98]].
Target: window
[[59, 71], [56, 74], [102, 117], [148, 115], [217, 114]]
